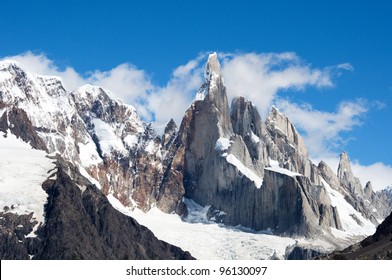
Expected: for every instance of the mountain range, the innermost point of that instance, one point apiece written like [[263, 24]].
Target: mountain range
[[73, 159]]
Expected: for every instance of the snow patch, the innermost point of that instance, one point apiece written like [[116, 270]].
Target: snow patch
[[152, 148], [2, 111], [276, 168], [251, 175], [254, 137], [22, 172], [88, 154], [108, 140], [222, 144], [131, 140]]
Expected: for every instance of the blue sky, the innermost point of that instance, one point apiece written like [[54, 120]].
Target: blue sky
[[344, 48]]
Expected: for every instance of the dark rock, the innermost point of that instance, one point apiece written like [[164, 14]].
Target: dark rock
[[13, 231], [17, 121], [298, 252], [80, 223]]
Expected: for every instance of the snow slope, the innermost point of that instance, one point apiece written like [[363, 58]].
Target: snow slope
[[22, 172], [245, 170], [353, 223], [276, 168]]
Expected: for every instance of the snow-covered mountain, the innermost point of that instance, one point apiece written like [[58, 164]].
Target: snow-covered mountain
[[222, 165]]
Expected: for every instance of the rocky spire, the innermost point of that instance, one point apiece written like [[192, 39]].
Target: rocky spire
[[344, 168], [213, 67], [346, 176], [169, 134], [368, 190], [212, 76]]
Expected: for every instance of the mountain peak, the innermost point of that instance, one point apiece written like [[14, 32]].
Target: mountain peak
[[213, 66], [344, 165], [212, 76], [346, 175]]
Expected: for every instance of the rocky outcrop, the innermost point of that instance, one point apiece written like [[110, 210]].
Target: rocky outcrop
[[365, 201], [347, 178], [247, 123], [285, 145], [80, 223], [17, 122], [303, 252], [14, 245]]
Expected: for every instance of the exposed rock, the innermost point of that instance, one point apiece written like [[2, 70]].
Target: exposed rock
[[303, 252], [13, 230], [169, 134], [329, 176], [285, 145], [17, 121], [249, 173], [282, 125], [247, 123], [347, 178], [80, 223], [368, 191], [220, 162], [87, 127]]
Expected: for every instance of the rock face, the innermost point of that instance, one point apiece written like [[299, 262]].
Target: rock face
[[80, 223], [13, 230]]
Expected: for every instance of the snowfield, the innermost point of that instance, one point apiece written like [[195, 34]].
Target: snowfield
[[206, 240], [22, 172]]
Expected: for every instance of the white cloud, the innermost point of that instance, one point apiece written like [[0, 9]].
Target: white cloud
[[127, 83], [257, 77], [378, 173], [260, 77], [321, 130], [40, 64]]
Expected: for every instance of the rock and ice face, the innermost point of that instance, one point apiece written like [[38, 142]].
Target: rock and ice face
[[225, 158], [87, 127]]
